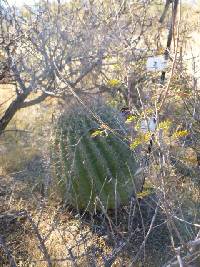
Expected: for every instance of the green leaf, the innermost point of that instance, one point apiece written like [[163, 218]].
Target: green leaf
[[97, 133], [143, 194], [131, 118], [114, 83]]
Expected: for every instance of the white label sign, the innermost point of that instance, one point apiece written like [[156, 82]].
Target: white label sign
[[158, 63], [148, 125]]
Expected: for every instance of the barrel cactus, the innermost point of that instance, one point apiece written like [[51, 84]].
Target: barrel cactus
[[94, 167]]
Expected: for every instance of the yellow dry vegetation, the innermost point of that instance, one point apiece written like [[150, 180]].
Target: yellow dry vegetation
[[28, 129]]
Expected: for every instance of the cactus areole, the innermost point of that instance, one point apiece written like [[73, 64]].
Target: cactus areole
[[94, 170]]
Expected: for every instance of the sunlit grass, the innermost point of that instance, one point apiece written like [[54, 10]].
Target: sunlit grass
[[27, 133]]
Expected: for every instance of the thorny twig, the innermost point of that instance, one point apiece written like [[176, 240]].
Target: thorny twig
[[7, 252], [147, 235], [41, 241]]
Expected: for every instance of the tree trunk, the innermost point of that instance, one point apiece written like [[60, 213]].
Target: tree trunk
[[11, 111]]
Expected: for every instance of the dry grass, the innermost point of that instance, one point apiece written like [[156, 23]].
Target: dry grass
[[28, 129], [68, 238], [65, 234]]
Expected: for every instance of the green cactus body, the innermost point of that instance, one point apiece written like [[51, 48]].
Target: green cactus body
[[94, 172]]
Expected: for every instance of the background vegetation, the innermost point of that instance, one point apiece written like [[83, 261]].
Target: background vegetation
[[61, 56]]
